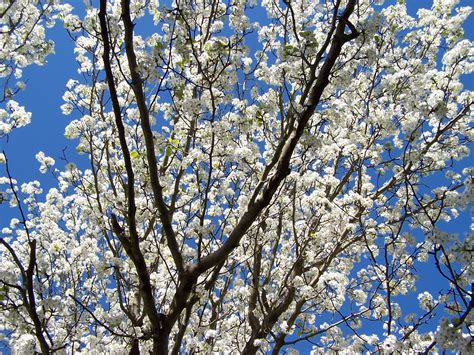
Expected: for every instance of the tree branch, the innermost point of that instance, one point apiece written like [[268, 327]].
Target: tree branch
[[136, 83]]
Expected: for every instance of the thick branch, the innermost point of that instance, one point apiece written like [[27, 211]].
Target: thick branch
[[27, 291], [131, 244], [257, 204], [137, 87], [31, 306], [118, 118], [283, 165]]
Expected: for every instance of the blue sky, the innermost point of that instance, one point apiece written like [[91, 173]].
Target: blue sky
[[43, 97]]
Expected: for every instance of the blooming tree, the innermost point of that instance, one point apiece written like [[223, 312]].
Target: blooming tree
[[260, 176]]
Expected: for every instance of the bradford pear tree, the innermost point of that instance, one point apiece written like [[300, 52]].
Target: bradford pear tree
[[260, 175]]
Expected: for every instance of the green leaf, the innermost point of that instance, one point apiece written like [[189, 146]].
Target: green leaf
[[70, 166], [159, 45], [221, 44], [259, 117], [182, 63], [306, 34], [378, 40], [179, 91], [80, 149], [313, 44], [168, 151], [289, 49], [134, 154]]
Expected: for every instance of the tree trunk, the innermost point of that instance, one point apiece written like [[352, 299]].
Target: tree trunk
[[135, 350], [161, 336], [250, 348]]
